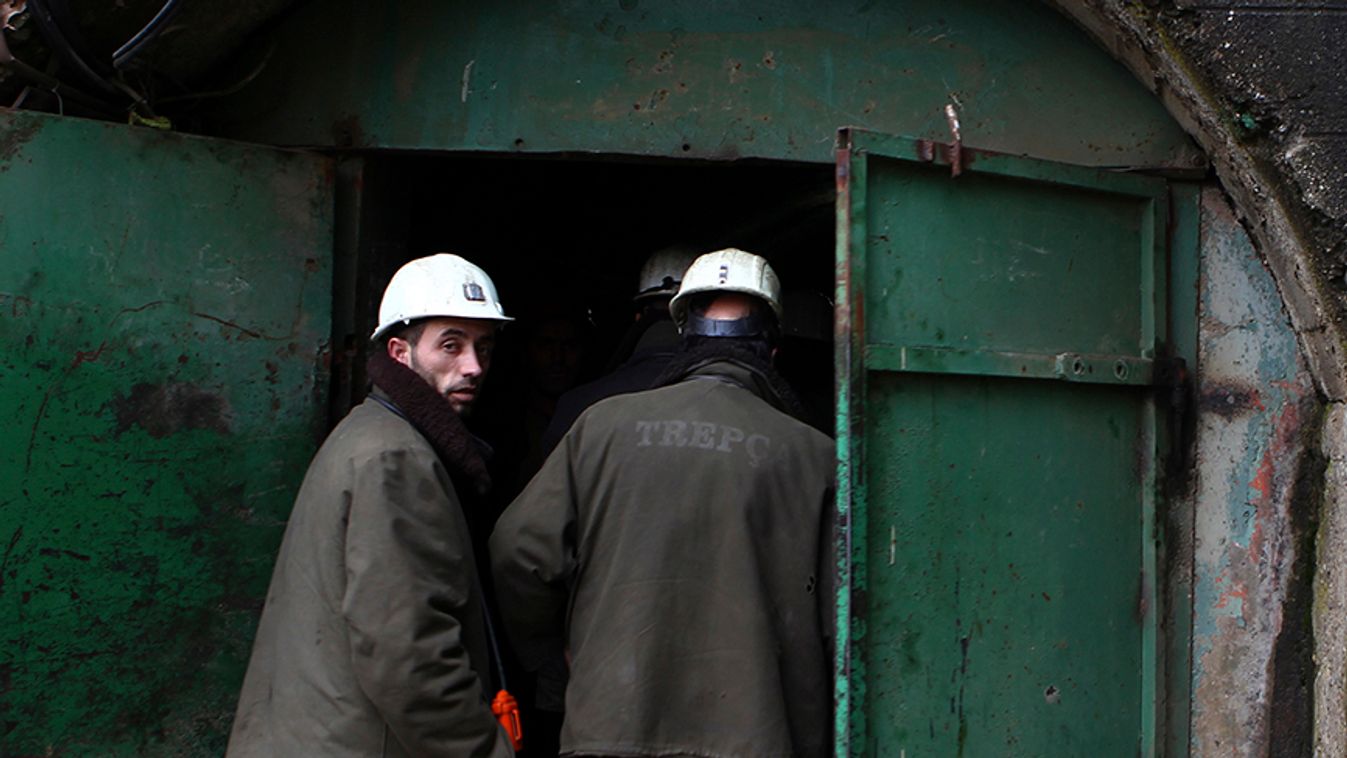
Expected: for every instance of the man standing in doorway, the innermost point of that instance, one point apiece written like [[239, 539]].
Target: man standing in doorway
[[652, 341], [674, 546], [374, 640]]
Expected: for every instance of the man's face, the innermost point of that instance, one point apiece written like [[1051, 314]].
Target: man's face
[[452, 355], [553, 351]]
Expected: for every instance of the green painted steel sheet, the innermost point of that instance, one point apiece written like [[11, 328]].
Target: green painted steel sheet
[[999, 589], [1004, 540], [164, 314], [695, 80]]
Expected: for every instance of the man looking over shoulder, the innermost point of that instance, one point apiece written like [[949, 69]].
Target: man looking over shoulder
[[675, 545], [374, 638]]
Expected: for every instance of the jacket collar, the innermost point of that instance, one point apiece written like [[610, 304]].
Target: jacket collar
[[761, 381], [733, 372], [430, 413], [661, 338]]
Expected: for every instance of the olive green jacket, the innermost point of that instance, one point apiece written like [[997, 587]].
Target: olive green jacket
[[674, 543], [373, 640]]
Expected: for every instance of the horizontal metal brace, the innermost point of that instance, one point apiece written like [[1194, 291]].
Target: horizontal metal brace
[[1071, 367]]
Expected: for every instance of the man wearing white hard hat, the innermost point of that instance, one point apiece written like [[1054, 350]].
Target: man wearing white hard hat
[[375, 639], [651, 340], [674, 545]]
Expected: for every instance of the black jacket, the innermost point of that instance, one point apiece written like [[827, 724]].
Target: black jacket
[[639, 372]]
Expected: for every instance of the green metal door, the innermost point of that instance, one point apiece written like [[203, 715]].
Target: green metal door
[[164, 315], [999, 324]]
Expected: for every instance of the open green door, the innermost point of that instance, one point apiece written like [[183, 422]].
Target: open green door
[[1000, 321], [165, 309]]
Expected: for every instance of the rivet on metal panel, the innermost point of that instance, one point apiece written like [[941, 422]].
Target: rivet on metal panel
[[1120, 370], [1071, 366]]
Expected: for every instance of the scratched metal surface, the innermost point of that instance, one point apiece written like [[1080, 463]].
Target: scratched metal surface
[[694, 80], [1002, 597], [1257, 412], [164, 312]]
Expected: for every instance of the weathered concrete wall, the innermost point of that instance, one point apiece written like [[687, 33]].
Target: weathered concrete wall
[[1278, 66], [1257, 409], [1330, 595]]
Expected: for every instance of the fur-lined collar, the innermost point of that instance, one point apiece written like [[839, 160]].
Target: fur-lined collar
[[434, 418]]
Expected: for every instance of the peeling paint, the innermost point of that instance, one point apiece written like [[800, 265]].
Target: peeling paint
[[1255, 401]]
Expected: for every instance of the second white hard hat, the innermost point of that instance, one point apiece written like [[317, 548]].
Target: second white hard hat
[[438, 285], [728, 270], [662, 272]]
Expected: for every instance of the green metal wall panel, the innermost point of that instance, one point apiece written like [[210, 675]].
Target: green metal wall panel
[[999, 589], [164, 313], [695, 79]]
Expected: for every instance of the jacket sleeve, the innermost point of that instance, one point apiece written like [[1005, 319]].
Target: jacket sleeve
[[533, 560], [409, 587]]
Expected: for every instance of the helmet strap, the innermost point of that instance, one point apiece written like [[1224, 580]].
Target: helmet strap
[[749, 326]]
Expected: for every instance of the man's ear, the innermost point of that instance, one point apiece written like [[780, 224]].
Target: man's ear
[[400, 350]]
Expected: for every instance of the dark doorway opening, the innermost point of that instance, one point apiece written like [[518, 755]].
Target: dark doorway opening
[[568, 235], [564, 240]]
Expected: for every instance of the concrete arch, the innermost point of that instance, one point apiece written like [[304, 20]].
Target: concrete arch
[[1277, 218]]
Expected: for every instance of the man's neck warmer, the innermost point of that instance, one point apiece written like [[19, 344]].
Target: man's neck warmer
[[434, 418], [769, 384]]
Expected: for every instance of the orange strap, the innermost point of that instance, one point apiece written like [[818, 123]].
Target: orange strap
[[507, 713]]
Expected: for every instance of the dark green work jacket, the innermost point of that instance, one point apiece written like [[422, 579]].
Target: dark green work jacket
[[373, 640], [673, 544]]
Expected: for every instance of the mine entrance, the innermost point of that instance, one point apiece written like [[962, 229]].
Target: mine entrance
[[564, 240]]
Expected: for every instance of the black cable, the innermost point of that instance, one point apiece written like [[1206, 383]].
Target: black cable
[[56, 39], [133, 46], [48, 83]]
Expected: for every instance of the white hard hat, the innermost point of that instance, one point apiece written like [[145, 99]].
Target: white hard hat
[[438, 285], [662, 272], [728, 270]]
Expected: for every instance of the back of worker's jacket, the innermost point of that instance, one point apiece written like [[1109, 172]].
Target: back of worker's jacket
[[674, 544]]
